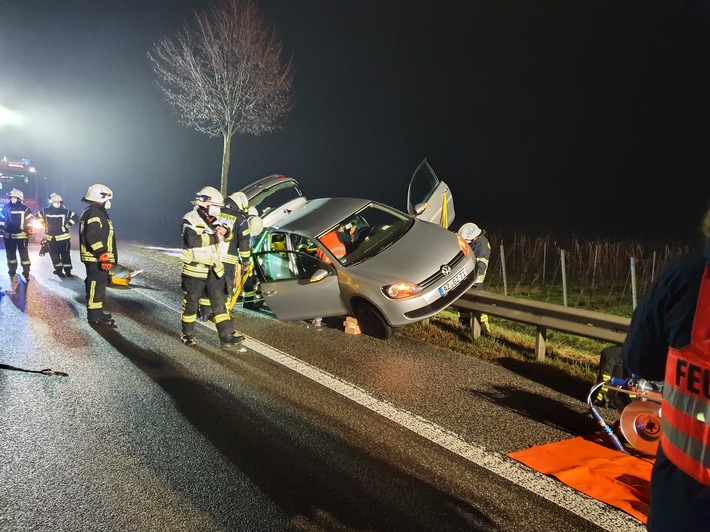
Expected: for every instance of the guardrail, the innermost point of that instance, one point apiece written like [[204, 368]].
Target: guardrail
[[544, 316]]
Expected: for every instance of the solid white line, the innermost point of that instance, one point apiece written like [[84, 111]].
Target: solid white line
[[592, 510]]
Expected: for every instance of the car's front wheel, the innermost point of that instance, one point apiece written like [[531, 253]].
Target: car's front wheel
[[372, 322]]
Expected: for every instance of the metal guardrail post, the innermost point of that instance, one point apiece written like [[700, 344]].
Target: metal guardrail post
[[542, 316]]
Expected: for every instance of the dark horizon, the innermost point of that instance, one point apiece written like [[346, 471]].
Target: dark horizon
[[542, 117]]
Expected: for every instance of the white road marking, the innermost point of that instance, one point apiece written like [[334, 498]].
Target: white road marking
[[594, 511]]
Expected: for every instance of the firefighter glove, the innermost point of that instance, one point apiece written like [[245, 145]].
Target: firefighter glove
[[104, 262]]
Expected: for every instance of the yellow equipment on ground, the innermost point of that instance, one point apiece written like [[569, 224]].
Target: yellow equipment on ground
[[240, 279], [121, 276]]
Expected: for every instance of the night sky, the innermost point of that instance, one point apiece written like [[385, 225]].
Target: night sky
[[543, 117]]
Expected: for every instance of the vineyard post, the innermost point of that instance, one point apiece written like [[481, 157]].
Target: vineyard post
[[633, 282], [502, 269], [594, 267], [544, 260], [653, 266], [564, 277]]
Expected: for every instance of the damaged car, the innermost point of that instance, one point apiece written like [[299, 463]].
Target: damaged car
[[358, 257]]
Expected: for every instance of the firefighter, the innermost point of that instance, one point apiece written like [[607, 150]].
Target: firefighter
[[202, 269], [237, 249], [481, 247], [669, 340], [57, 220], [98, 252], [16, 223]]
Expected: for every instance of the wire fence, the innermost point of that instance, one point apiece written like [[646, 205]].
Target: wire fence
[[608, 276]]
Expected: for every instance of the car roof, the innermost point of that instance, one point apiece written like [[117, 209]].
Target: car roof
[[319, 215]]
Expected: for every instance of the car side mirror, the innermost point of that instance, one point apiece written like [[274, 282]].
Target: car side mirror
[[318, 275], [420, 207]]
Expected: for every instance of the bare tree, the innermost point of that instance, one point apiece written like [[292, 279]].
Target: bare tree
[[224, 74]]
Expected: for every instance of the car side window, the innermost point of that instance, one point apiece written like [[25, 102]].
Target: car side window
[[303, 244], [277, 241], [285, 265], [274, 266]]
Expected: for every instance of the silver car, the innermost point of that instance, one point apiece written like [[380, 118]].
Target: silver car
[[357, 257]]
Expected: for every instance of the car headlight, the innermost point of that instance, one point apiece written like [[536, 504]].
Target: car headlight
[[401, 290], [464, 246]]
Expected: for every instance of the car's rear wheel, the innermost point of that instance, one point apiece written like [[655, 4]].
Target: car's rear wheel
[[372, 322]]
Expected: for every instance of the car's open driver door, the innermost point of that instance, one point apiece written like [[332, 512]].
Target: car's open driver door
[[428, 198]]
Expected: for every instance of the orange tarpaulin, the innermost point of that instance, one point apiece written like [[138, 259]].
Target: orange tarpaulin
[[610, 476]]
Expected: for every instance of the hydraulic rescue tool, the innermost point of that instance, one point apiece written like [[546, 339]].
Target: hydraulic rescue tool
[[639, 420]]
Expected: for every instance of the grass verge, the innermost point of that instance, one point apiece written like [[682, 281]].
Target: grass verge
[[569, 358]]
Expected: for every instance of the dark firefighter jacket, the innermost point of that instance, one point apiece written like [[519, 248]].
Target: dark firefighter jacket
[[16, 220], [663, 319], [237, 248], [57, 222], [96, 235], [482, 251]]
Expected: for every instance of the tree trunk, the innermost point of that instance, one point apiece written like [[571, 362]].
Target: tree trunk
[[225, 163]]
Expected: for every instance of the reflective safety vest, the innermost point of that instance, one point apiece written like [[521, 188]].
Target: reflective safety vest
[[198, 259], [334, 245], [685, 411]]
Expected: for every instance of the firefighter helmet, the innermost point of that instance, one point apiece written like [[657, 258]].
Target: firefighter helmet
[[251, 211], [55, 198], [469, 231], [240, 200], [16, 193], [256, 225], [208, 196], [98, 194]]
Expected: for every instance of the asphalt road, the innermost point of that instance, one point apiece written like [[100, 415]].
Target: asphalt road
[[301, 430]]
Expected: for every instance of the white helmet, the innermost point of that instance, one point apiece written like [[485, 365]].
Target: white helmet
[[208, 196], [256, 225], [16, 193], [55, 198], [469, 231], [98, 194], [251, 211], [240, 200]]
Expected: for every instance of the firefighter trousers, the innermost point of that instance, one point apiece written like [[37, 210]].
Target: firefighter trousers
[[96, 282], [13, 246], [60, 255], [215, 289]]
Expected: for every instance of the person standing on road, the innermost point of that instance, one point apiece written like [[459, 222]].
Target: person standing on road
[[236, 250], [669, 340], [57, 220], [481, 247], [98, 252], [16, 224], [202, 268], [253, 299]]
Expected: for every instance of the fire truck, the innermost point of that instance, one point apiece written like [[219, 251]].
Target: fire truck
[[22, 175]]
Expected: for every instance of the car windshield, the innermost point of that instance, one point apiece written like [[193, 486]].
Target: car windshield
[[274, 197], [366, 233]]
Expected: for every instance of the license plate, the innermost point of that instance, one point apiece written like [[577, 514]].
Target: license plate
[[452, 283]]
